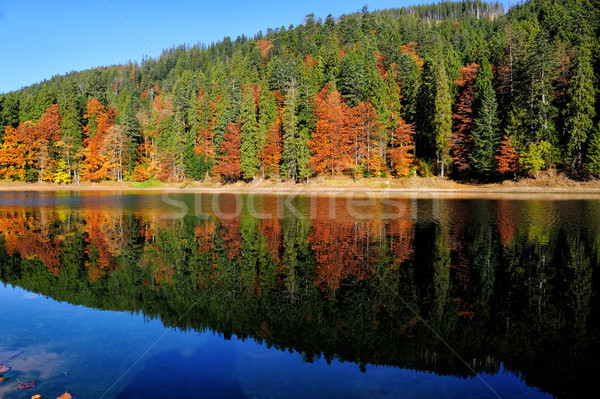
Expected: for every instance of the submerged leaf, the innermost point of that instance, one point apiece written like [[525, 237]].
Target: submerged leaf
[[28, 385], [4, 369], [36, 397], [65, 396]]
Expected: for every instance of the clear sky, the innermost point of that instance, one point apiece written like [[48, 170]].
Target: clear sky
[[42, 38]]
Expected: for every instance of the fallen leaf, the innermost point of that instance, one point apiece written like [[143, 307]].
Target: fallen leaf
[[36, 397], [27, 385], [3, 368], [65, 396]]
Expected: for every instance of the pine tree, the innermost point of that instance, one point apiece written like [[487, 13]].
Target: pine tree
[[442, 120], [580, 110], [485, 133], [289, 167], [592, 159], [249, 160]]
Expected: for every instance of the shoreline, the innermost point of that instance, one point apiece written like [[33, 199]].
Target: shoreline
[[411, 187]]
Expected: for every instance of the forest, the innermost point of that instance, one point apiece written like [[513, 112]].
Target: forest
[[464, 90], [510, 288]]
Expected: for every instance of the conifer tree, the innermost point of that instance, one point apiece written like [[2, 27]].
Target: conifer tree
[[485, 133], [442, 119], [580, 110], [249, 160]]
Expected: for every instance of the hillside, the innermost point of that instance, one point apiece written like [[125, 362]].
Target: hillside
[[457, 89]]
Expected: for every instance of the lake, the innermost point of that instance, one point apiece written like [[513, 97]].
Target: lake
[[150, 295]]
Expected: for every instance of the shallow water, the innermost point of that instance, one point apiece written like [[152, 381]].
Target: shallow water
[[122, 295]]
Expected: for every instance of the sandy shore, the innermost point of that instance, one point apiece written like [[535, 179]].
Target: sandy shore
[[397, 187]]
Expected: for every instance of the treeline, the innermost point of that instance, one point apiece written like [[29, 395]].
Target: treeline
[[457, 88]]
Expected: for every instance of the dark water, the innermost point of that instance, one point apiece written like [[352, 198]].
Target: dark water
[[112, 295]]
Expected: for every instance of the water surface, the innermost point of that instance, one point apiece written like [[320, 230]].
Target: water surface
[[119, 295]]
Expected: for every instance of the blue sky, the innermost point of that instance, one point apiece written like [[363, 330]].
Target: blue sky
[[39, 39]]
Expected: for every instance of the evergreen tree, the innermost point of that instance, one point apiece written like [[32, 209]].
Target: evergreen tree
[[485, 136], [289, 167], [580, 110], [442, 119], [592, 159], [249, 160]]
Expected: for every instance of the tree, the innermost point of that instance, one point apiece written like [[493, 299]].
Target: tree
[[507, 160], [114, 151], [100, 120], [535, 158], [16, 155], [442, 119], [250, 146], [592, 159], [402, 147], [289, 120], [229, 165], [462, 119], [47, 133], [331, 145], [271, 154], [365, 130], [485, 133], [205, 127], [580, 109]]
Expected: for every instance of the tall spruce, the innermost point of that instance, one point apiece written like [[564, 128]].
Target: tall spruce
[[249, 160], [580, 109], [485, 136]]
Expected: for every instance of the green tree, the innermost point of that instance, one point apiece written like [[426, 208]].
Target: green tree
[[249, 151], [580, 110], [485, 137]]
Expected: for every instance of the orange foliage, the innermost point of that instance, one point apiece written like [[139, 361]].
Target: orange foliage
[[380, 66], [16, 152], [47, 131], [264, 46], [411, 49], [28, 234], [271, 154], [331, 144], [507, 160], [462, 117], [365, 133], [402, 146], [100, 120]]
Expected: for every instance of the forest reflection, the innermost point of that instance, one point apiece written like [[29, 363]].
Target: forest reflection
[[508, 284]]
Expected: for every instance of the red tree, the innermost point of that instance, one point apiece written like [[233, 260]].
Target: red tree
[[100, 119], [507, 160], [403, 146], [365, 132], [271, 154], [331, 144], [228, 164], [47, 132], [462, 118]]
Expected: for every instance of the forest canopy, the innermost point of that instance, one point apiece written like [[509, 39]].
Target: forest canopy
[[459, 89]]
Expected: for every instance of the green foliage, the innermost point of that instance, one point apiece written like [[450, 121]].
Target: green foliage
[[485, 136], [536, 157], [249, 151]]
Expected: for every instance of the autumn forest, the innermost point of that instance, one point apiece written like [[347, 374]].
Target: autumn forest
[[465, 90]]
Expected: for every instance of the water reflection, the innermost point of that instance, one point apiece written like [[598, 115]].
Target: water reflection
[[509, 285]]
